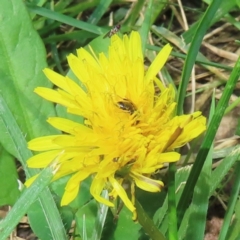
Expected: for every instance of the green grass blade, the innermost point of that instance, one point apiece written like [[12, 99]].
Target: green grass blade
[[101, 218], [177, 41], [233, 233], [193, 51], [226, 7], [134, 14], [198, 209], [159, 7], [80, 6], [200, 58], [231, 204], [67, 20], [84, 234], [144, 30], [223, 168], [101, 8], [172, 208], [17, 142], [21, 206], [148, 224], [45, 201], [210, 134], [224, 152], [161, 217], [233, 105]]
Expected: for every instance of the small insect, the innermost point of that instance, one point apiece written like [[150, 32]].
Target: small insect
[[113, 31], [127, 106], [115, 159]]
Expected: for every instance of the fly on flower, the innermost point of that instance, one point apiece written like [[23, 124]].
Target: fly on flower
[[113, 31], [127, 106]]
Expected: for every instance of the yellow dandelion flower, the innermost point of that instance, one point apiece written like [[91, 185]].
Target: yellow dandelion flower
[[129, 132]]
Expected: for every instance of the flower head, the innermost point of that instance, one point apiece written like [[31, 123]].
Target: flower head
[[129, 132]]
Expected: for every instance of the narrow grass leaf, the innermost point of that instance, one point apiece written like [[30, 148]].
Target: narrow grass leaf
[[231, 204], [223, 168], [158, 9], [20, 208], [66, 19], [160, 217], [197, 211], [145, 28], [172, 207], [84, 234], [233, 233], [180, 44], [99, 11], [148, 224], [210, 134], [85, 218], [225, 7], [134, 13], [80, 6], [101, 218], [193, 51], [233, 105], [45, 202]]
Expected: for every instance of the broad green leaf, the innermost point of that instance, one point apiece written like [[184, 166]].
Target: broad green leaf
[[22, 59], [8, 179], [23, 114], [126, 228]]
